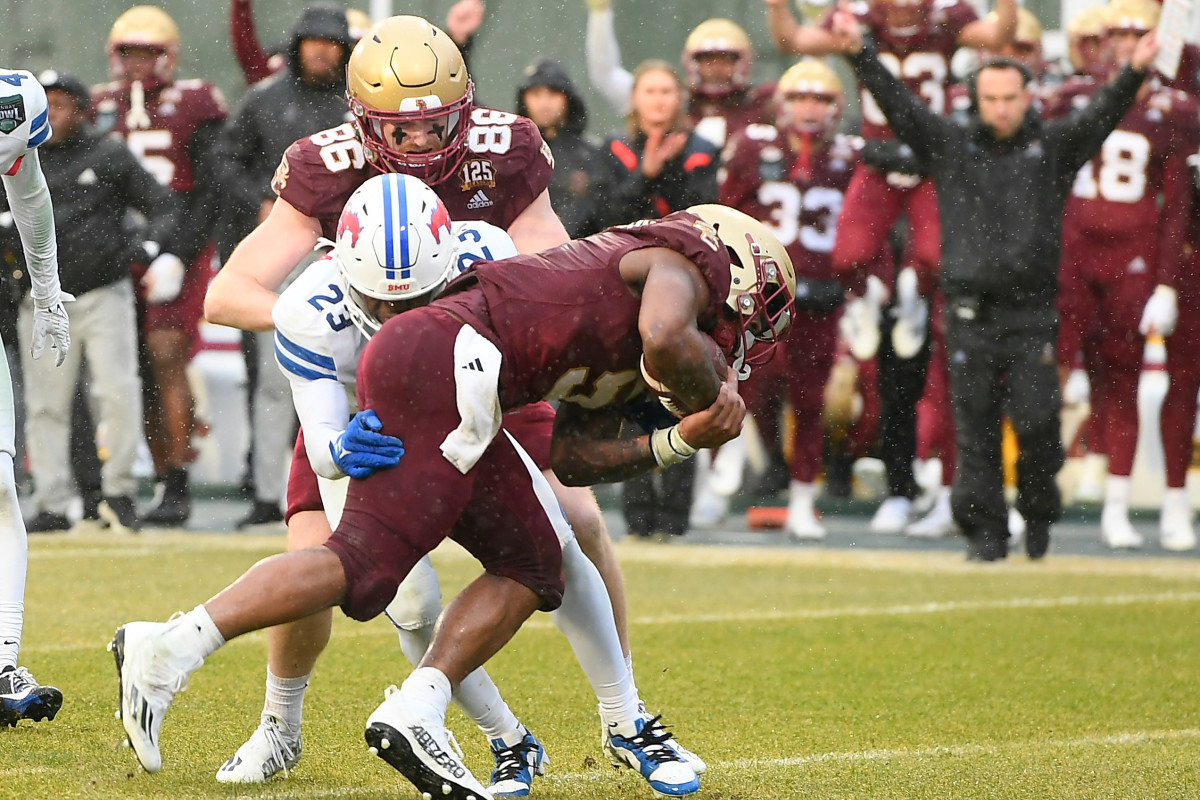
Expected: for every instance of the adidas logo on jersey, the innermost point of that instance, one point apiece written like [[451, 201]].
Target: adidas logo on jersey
[[479, 200]]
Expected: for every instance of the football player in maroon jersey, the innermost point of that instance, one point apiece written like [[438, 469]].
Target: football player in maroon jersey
[[1123, 256], [582, 324], [717, 58], [793, 177], [416, 116], [170, 125]]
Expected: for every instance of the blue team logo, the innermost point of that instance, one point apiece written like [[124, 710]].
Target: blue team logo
[[12, 113]]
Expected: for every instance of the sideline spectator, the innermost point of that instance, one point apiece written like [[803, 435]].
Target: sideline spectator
[[655, 167], [549, 98], [171, 127], [309, 95], [1002, 182], [94, 180]]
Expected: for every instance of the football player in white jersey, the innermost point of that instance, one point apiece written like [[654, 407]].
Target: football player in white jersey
[[322, 323], [24, 125]]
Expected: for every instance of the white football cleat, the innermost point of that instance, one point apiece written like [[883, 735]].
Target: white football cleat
[[149, 677], [421, 751], [1117, 531], [708, 510], [938, 523], [892, 515], [271, 749], [650, 753], [1175, 531]]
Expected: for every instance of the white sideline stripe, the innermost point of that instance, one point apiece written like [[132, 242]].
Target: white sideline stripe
[[153, 544], [375, 629], [1129, 739]]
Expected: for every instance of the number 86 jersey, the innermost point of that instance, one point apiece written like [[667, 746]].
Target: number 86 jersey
[[507, 166]]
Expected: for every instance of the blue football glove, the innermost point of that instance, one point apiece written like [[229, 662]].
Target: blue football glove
[[361, 449]]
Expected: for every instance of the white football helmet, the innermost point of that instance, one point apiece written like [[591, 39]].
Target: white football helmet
[[393, 243]]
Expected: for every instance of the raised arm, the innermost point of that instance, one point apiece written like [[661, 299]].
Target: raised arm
[[991, 33], [608, 77], [914, 123], [792, 38]]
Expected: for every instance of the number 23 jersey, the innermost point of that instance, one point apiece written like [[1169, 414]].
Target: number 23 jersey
[[507, 166]]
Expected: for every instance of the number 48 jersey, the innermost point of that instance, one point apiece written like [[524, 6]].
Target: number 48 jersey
[[317, 346], [24, 123], [508, 165]]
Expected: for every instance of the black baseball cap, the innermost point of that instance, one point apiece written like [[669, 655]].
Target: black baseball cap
[[63, 82]]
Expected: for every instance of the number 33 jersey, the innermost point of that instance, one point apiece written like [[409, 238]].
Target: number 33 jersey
[[507, 166]]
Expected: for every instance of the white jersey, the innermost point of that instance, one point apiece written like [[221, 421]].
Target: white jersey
[[317, 346], [24, 122]]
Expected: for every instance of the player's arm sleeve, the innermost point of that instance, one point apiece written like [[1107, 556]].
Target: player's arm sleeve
[[247, 49], [917, 126], [1080, 136], [608, 77], [203, 204], [319, 398], [1176, 210], [33, 213]]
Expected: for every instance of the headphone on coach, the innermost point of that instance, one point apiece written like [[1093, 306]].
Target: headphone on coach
[[996, 62]]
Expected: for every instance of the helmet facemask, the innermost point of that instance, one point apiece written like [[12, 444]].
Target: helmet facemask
[[763, 311], [379, 131]]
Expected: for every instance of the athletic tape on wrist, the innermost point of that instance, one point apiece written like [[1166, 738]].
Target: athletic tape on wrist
[[669, 448]]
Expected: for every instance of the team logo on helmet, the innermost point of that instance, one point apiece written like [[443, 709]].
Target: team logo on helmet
[[349, 223]]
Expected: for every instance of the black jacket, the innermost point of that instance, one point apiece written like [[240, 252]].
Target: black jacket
[[577, 167], [274, 113], [1001, 202], [686, 180], [93, 181]]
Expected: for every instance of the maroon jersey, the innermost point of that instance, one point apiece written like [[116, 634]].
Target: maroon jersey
[[717, 120], [564, 320], [919, 57], [507, 168], [158, 132], [798, 194], [1117, 193], [1187, 76]]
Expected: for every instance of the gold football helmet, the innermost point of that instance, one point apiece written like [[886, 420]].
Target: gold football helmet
[[762, 284], [810, 77], [359, 23], [1084, 34], [144, 26], [406, 70], [717, 36], [1131, 15]]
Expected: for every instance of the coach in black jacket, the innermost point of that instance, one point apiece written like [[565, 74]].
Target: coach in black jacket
[[1002, 181]]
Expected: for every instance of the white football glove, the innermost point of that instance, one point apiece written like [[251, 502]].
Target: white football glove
[[1077, 390], [859, 325], [911, 312], [50, 320], [1161, 312], [164, 279]]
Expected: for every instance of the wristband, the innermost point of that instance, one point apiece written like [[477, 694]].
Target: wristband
[[669, 447]]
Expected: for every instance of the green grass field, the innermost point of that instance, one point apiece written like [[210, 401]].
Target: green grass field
[[795, 673]]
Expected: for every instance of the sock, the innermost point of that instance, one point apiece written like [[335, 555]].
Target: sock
[[196, 635], [427, 692], [1116, 494], [477, 695], [14, 543], [1176, 500], [285, 698], [586, 619], [11, 615]]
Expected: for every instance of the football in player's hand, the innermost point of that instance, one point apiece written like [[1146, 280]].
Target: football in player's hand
[[668, 398]]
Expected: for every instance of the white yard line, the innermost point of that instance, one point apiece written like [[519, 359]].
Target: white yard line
[[541, 622]]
